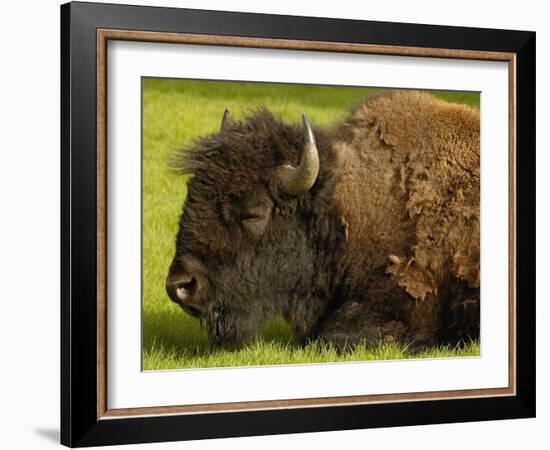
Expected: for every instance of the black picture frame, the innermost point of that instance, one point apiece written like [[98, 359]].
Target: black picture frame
[[80, 425]]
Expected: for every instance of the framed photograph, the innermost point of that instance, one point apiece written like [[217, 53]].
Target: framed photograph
[[276, 224]]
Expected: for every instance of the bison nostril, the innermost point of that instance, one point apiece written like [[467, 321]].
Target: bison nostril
[[185, 289], [185, 285], [188, 286]]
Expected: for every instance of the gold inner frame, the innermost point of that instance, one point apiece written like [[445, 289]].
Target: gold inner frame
[[103, 36]]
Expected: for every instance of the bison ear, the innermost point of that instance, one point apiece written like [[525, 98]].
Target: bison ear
[[226, 120]]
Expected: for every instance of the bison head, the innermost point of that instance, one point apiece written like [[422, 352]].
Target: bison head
[[244, 248]]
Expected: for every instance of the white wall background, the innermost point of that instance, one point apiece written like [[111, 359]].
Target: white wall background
[[29, 224]]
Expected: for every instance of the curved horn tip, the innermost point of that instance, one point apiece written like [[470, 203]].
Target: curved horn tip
[[309, 131], [299, 180]]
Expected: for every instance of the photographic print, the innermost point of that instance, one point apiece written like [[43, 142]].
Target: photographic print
[[298, 224]]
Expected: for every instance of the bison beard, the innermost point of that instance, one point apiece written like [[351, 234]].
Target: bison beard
[[363, 233]]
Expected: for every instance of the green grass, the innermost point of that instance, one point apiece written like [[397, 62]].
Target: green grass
[[174, 113]]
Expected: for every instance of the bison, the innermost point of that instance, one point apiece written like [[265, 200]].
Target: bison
[[365, 232]]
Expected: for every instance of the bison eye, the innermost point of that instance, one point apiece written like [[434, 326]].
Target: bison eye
[[254, 213], [255, 225], [251, 209]]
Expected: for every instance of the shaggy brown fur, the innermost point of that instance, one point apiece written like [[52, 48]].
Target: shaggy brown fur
[[384, 246]]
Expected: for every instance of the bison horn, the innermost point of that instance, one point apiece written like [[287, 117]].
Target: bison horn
[[299, 180], [225, 120]]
